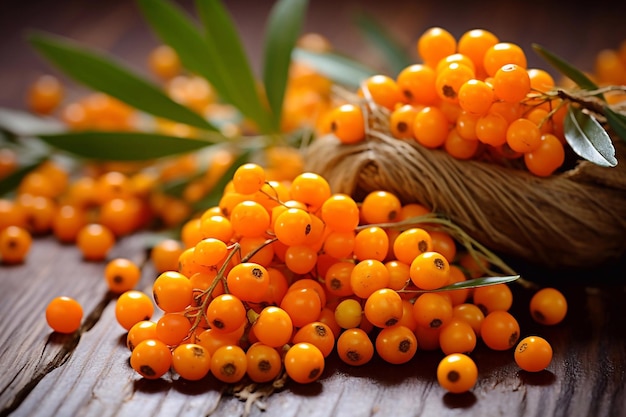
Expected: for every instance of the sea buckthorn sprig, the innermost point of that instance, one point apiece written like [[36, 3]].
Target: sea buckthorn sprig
[[476, 98], [258, 315]]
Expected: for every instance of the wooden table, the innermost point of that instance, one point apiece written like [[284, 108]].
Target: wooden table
[[87, 374]]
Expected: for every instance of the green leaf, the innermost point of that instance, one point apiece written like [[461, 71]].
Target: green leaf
[[213, 197], [339, 68], [12, 181], [588, 138], [617, 121], [565, 68], [282, 30], [22, 123], [230, 61], [123, 146], [102, 73], [474, 283], [395, 56]]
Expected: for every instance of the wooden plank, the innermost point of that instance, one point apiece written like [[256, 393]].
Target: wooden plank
[[91, 375]]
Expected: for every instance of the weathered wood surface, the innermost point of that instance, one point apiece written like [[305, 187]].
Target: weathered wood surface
[[87, 374]]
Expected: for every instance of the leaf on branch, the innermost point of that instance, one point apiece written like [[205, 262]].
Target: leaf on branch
[[229, 60], [473, 283], [282, 30], [123, 146], [565, 68], [617, 121], [102, 73], [588, 138], [22, 123], [339, 68]]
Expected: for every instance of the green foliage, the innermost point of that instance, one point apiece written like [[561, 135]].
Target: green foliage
[[588, 139]]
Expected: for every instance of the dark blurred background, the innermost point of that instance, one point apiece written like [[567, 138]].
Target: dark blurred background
[[576, 32]]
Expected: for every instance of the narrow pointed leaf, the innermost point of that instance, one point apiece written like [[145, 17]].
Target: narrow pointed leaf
[[588, 138], [474, 283], [231, 62], [103, 73], [124, 146], [282, 30], [394, 54], [565, 68], [22, 123], [339, 68], [617, 121]]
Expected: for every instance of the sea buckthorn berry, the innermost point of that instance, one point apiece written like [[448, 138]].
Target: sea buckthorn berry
[[457, 336], [380, 207], [348, 313], [318, 334], [475, 96], [417, 83], [121, 216], [263, 363], [547, 158], [249, 219], [383, 90], [212, 340], [39, 210], [470, 314], [94, 241], [311, 189], [410, 243], [226, 313], [191, 361], [15, 243], [427, 337], [493, 297], [11, 214], [432, 310], [511, 83], [172, 291], [443, 243], [216, 226], [263, 252], [248, 281], [456, 57], [474, 44], [430, 127], [398, 274], [500, 330], [151, 359], [229, 364], [273, 327], [210, 252], [68, 220], [533, 354], [300, 259], [368, 276], [523, 136], [383, 308], [434, 44], [396, 344], [132, 307], [450, 80], [64, 314], [503, 53], [121, 275], [304, 363], [173, 328], [303, 306], [466, 125], [401, 121], [337, 279], [340, 213], [430, 270], [491, 129], [371, 243], [457, 373], [347, 123], [540, 80], [292, 226], [548, 306], [164, 62], [140, 331], [248, 178], [355, 347], [45, 94]]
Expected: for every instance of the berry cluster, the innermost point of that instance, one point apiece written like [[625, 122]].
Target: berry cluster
[[279, 276], [473, 97]]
